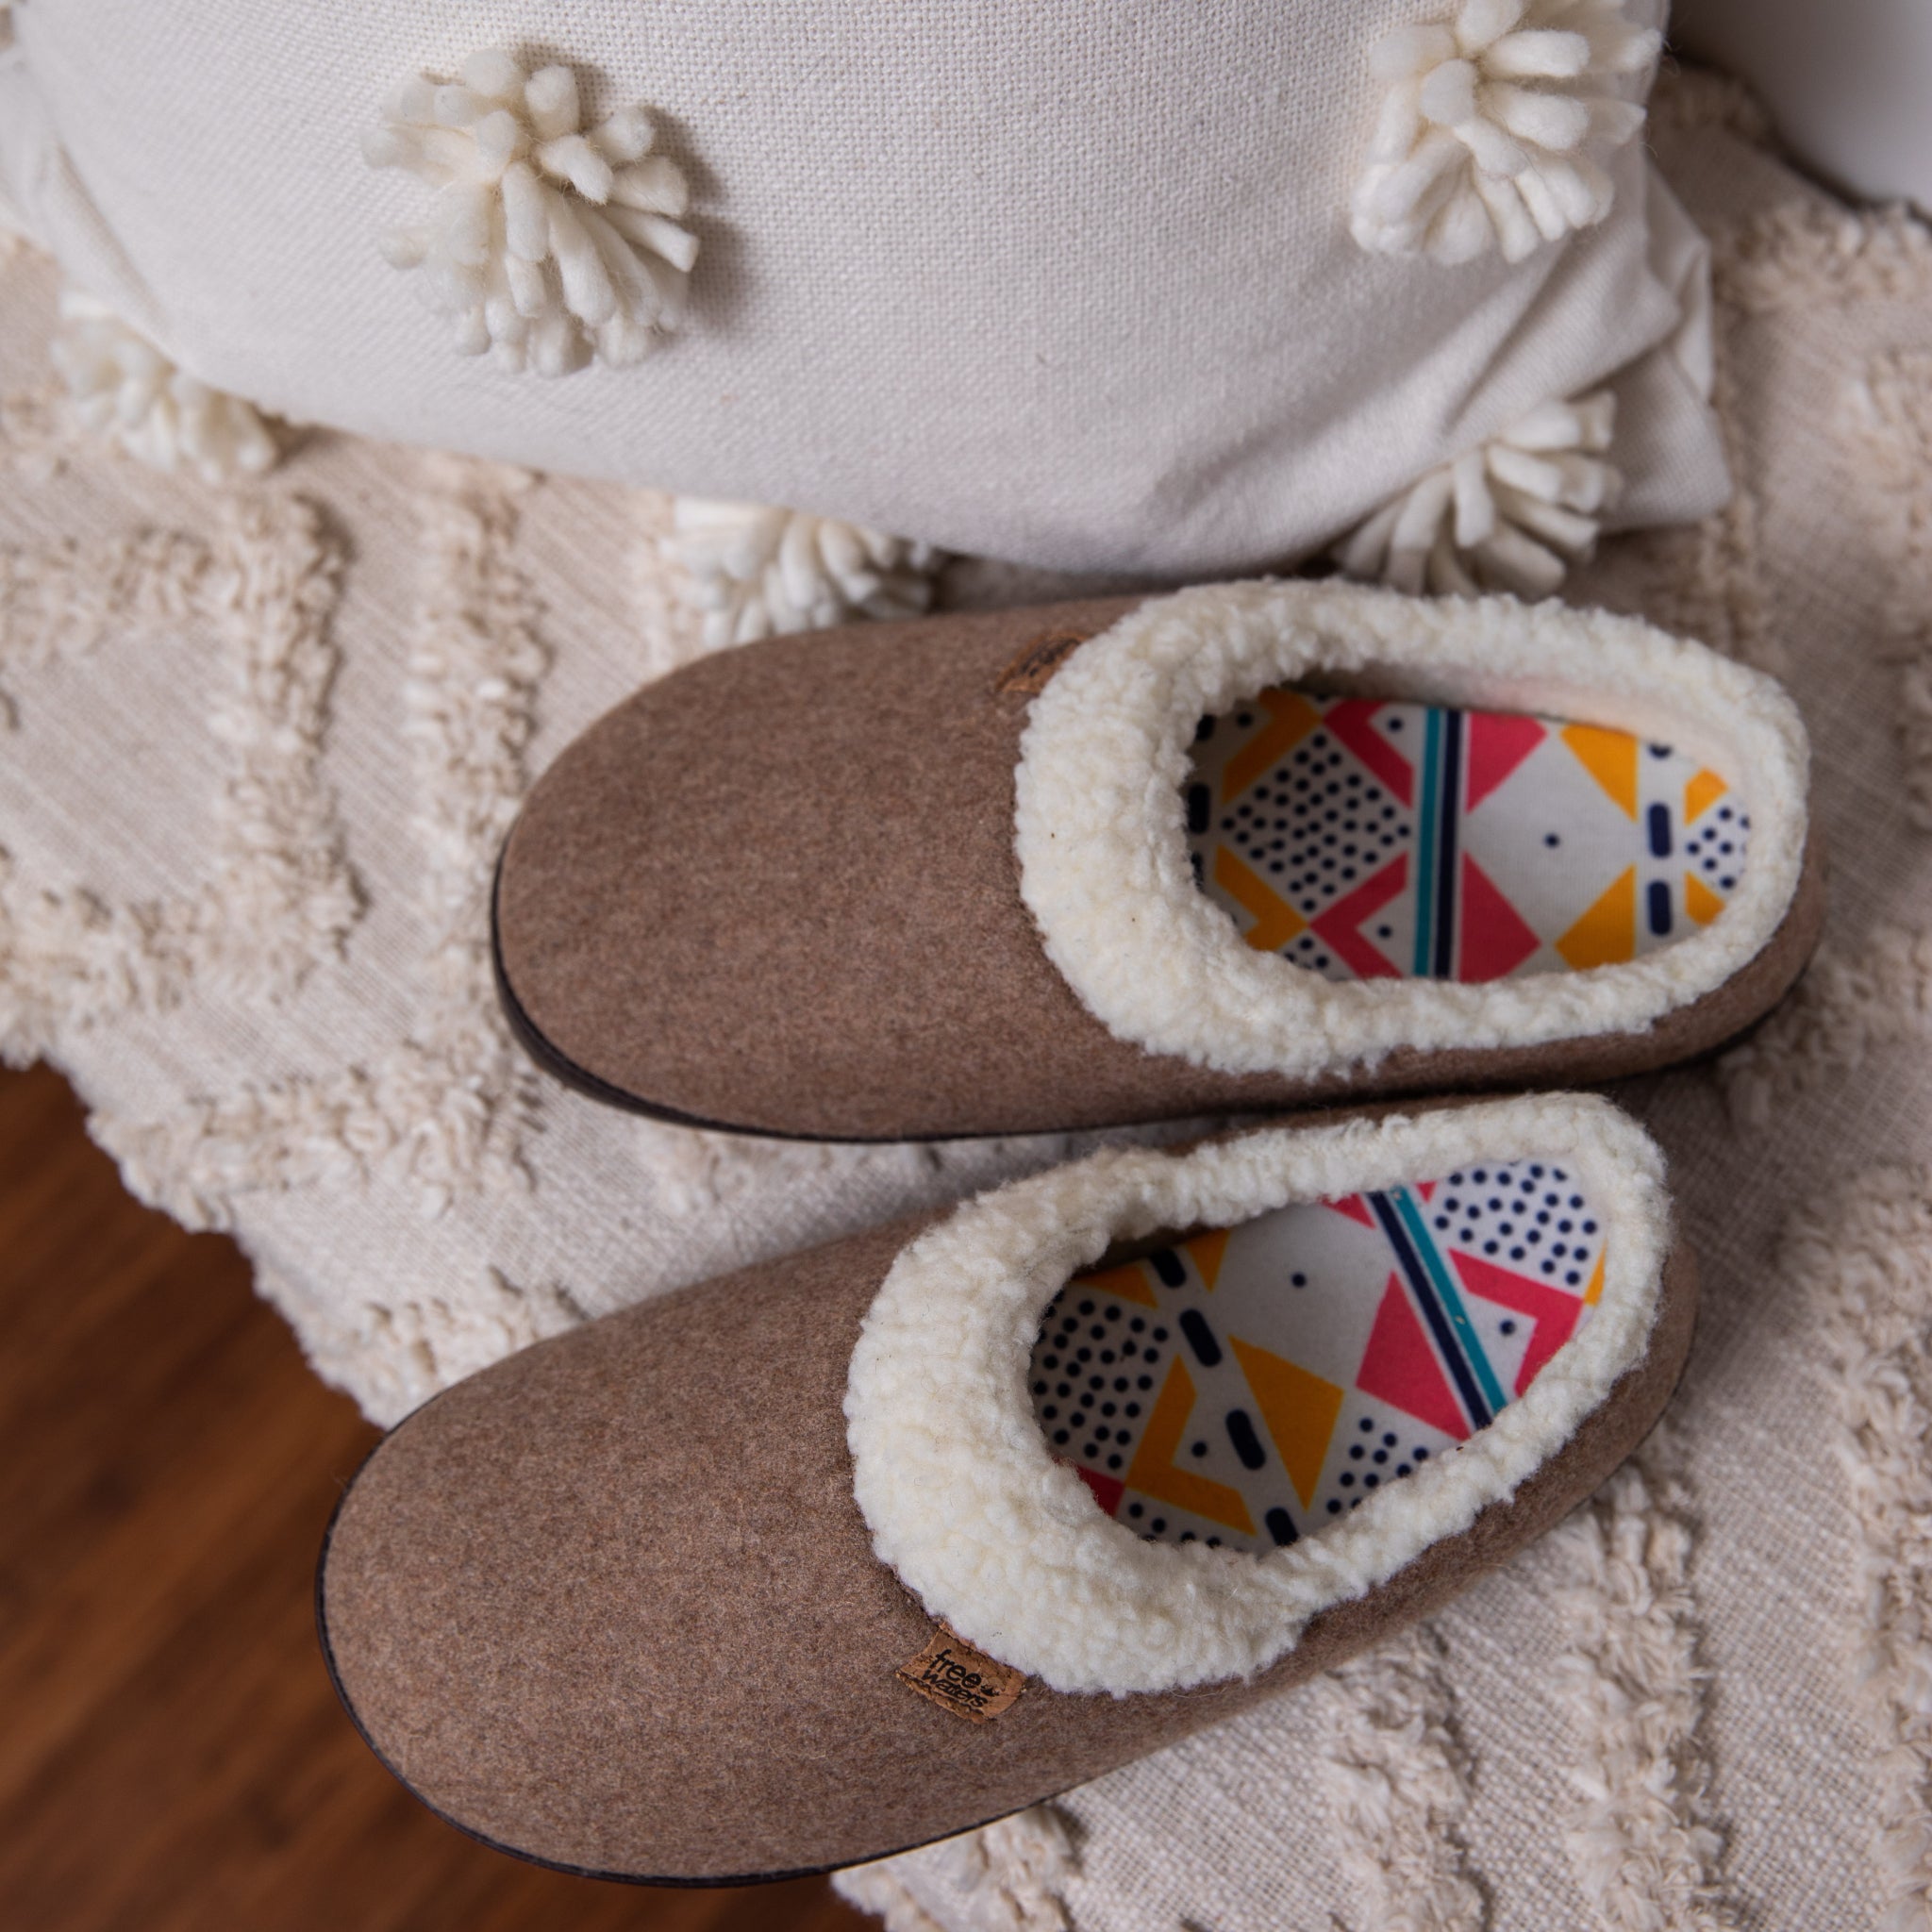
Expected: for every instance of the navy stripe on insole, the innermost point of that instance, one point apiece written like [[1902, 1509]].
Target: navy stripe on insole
[[1417, 1276], [1445, 845]]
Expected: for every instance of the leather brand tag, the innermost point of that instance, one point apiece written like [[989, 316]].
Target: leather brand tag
[[951, 1673], [1031, 672]]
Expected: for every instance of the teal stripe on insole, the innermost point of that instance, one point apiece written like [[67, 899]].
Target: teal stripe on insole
[[1444, 1284]]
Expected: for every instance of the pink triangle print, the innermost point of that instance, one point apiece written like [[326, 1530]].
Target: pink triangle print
[[1355, 1207], [1553, 1312], [1108, 1489], [1400, 1368], [1495, 941], [1352, 725], [1339, 927], [1498, 743]]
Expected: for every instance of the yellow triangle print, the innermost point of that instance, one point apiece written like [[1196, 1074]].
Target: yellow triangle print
[[1594, 1293], [1275, 921], [1290, 718], [1206, 1252], [1154, 1473], [1125, 1283], [1609, 758], [1701, 793], [1700, 902], [1300, 1408], [1606, 934]]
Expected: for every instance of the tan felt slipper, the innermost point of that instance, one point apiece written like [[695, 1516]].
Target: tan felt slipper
[[1249, 846], [850, 1550]]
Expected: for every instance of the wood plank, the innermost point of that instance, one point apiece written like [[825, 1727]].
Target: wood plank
[[171, 1756]]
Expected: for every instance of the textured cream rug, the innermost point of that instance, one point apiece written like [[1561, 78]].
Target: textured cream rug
[[256, 751]]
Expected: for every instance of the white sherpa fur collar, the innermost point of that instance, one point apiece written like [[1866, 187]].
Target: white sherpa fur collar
[[1100, 837], [965, 1501]]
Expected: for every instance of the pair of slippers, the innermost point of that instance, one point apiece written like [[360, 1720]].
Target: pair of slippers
[[858, 1549]]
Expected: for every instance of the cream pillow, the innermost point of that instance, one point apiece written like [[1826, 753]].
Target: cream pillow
[[1074, 286]]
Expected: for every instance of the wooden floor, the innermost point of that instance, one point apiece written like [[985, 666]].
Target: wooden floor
[[171, 1757]]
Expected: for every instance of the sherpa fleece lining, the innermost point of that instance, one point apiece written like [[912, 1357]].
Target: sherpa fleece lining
[[1101, 834], [967, 1505]]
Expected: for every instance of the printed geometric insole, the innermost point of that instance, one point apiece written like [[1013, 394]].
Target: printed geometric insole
[[1249, 1386], [1375, 841]]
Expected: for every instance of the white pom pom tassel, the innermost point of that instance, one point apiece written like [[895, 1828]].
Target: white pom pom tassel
[[548, 243], [120, 386], [757, 572], [1484, 126], [1514, 514]]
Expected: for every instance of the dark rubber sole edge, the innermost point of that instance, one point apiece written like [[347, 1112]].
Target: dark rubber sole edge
[[566, 1073]]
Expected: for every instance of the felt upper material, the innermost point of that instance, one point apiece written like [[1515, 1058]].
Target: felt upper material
[[612, 1604], [777, 890]]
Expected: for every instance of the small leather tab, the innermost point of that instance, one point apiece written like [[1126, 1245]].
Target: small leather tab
[[1029, 672], [961, 1679]]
